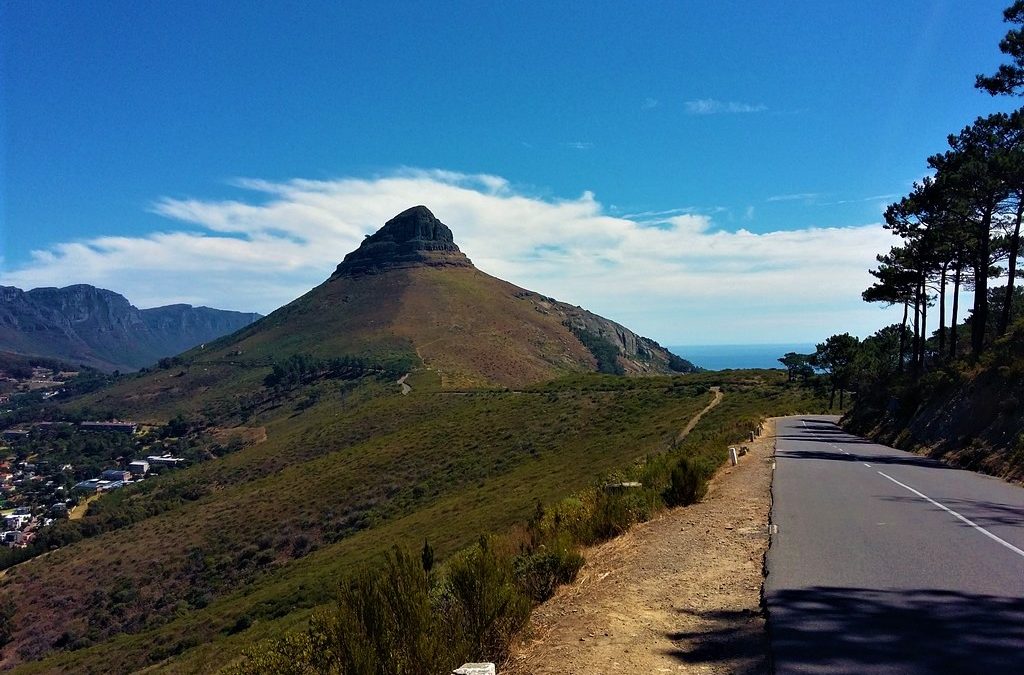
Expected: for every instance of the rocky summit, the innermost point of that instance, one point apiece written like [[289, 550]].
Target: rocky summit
[[413, 238]]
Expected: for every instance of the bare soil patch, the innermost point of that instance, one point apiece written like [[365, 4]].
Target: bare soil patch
[[681, 593]]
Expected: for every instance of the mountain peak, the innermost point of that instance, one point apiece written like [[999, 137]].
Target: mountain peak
[[415, 237]]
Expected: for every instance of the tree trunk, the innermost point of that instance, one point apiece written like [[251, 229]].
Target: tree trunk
[[924, 322], [917, 328], [942, 311], [980, 315], [841, 392], [956, 307], [903, 334], [832, 397], [1011, 270]]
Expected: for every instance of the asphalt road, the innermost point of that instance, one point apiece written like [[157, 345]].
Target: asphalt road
[[887, 562]]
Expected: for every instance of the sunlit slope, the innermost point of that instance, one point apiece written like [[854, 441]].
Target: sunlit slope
[[262, 533]]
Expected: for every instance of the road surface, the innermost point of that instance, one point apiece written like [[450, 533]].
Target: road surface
[[887, 562]]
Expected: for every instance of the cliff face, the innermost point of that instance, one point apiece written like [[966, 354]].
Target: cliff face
[[82, 324], [634, 354], [413, 238]]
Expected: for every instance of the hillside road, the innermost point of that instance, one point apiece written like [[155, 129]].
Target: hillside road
[[888, 562]]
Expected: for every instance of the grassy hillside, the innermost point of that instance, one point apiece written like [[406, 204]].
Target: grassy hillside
[[359, 464], [242, 547]]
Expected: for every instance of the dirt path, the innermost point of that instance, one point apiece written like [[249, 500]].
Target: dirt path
[[677, 594], [717, 391]]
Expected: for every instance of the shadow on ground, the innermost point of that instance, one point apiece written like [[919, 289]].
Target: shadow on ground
[[851, 630], [737, 635], [881, 460], [982, 512]]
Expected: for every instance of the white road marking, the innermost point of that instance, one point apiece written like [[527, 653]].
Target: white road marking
[[945, 508], [867, 465]]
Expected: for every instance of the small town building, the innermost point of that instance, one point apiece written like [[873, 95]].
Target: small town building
[[139, 467], [116, 474], [119, 427], [16, 522], [165, 460]]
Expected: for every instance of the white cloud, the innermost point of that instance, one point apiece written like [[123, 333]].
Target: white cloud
[[799, 196], [683, 280], [579, 145], [710, 106], [649, 103]]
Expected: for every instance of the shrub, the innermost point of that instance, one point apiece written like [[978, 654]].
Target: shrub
[[617, 511], [688, 483], [543, 571], [482, 592]]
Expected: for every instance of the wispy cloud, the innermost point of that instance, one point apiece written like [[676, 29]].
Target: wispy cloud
[[579, 145], [686, 280], [710, 106], [649, 103], [873, 198], [660, 214], [795, 197]]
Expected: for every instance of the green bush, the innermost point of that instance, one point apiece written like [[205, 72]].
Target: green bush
[[483, 594], [543, 571], [617, 511], [688, 483]]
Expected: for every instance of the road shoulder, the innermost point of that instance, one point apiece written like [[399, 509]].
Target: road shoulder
[[681, 593]]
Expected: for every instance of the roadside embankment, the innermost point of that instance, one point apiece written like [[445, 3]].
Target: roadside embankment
[[680, 593]]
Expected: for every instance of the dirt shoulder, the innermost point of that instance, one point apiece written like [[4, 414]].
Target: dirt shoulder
[[681, 593]]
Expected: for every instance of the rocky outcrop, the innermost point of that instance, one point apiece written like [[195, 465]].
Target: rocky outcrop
[[82, 324], [412, 238], [629, 353]]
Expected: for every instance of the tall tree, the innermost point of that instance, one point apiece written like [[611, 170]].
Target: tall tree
[[836, 357], [975, 169], [1009, 78], [895, 286], [797, 365]]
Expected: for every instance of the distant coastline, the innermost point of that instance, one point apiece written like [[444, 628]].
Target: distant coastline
[[721, 357]]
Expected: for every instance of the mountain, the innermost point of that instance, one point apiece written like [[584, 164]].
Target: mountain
[[408, 294], [82, 324], [314, 460]]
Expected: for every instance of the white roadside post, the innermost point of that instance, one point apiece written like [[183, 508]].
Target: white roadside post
[[475, 669], [734, 456]]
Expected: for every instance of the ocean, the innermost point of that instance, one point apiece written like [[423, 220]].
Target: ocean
[[721, 357]]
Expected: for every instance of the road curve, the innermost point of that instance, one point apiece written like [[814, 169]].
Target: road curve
[[887, 562]]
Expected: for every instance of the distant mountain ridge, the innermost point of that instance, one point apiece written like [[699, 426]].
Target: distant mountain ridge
[[96, 327]]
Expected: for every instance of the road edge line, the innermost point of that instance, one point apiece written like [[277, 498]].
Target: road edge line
[[945, 508]]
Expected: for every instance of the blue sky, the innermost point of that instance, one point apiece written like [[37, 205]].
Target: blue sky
[[133, 132]]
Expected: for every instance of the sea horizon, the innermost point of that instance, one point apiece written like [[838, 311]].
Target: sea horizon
[[736, 356]]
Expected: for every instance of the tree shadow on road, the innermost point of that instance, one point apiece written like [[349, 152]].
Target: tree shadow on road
[[991, 513], [737, 637], [902, 460], [853, 630]]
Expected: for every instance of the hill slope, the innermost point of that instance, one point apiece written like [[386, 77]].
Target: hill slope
[[82, 324], [335, 464], [969, 415], [406, 299]]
